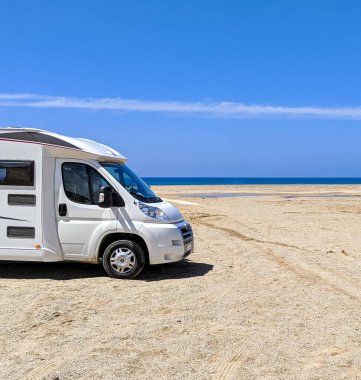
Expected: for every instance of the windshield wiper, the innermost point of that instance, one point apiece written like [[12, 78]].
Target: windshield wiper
[[140, 197], [154, 200]]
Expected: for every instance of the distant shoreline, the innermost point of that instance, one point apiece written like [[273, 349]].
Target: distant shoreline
[[169, 181]]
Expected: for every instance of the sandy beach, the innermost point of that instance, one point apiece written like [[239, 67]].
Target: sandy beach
[[272, 291]]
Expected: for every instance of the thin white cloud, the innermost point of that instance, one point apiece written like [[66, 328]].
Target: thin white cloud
[[22, 96], [208, 109]]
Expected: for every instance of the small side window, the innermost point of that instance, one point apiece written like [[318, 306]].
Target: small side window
[[16, 173], [96, 181], [82, 183]]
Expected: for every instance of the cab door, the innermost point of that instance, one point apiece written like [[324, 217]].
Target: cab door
[[79, 217]]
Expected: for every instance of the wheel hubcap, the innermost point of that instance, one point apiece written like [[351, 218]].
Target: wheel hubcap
[[123, 260]]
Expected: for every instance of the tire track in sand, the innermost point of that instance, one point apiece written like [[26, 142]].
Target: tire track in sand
[[304, 271], [227, 370], [51, 365], [239, 235], [61, 356]]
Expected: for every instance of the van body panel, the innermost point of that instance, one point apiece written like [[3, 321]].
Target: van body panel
[[21, 254], [51, 247], [21, 218], [161, 240]]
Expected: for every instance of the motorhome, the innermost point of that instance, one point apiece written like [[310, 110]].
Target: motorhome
[[72, 199]]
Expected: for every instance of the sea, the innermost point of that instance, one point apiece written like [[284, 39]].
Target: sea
[[169, 181]]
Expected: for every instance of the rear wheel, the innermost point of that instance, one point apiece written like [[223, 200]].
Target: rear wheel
[[123, 259]]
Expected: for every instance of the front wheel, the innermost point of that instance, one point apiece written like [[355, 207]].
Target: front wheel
[[123, 259]]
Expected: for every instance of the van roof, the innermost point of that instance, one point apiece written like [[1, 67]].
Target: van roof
[[50, 139]]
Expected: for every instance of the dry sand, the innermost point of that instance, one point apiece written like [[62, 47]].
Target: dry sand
[[271, 292]]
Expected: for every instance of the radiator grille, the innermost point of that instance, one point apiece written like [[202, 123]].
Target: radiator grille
[[187, 233]]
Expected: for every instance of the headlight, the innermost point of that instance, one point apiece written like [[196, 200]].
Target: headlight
[[153, 212]]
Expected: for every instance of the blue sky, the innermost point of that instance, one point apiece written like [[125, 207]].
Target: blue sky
[[191, 88]]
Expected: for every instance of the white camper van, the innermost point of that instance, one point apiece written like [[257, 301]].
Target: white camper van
[[72, 199]]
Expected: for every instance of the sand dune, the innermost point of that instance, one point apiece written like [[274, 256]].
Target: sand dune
[[273, 291]]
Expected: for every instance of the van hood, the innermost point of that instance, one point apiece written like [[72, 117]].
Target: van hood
[[171, 211]]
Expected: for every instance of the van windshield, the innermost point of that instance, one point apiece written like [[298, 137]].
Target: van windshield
[[131, 182]]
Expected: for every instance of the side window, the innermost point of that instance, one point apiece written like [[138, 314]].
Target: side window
[[76, 183], [82, 183], [17, 173]]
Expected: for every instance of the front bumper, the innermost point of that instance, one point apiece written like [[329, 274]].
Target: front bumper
[[168, 243]]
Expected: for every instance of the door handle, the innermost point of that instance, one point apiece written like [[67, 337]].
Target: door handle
[[63, 209]]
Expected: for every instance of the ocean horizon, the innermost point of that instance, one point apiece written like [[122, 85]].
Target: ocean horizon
[[169, 181]]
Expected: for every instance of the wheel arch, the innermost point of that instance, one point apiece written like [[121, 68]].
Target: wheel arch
[[112, 237]]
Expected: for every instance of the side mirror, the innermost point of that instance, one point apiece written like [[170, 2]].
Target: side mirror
[[118, 201], [105, 197], [108, 198]]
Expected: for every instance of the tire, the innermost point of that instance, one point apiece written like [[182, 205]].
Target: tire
[[123, 259]]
